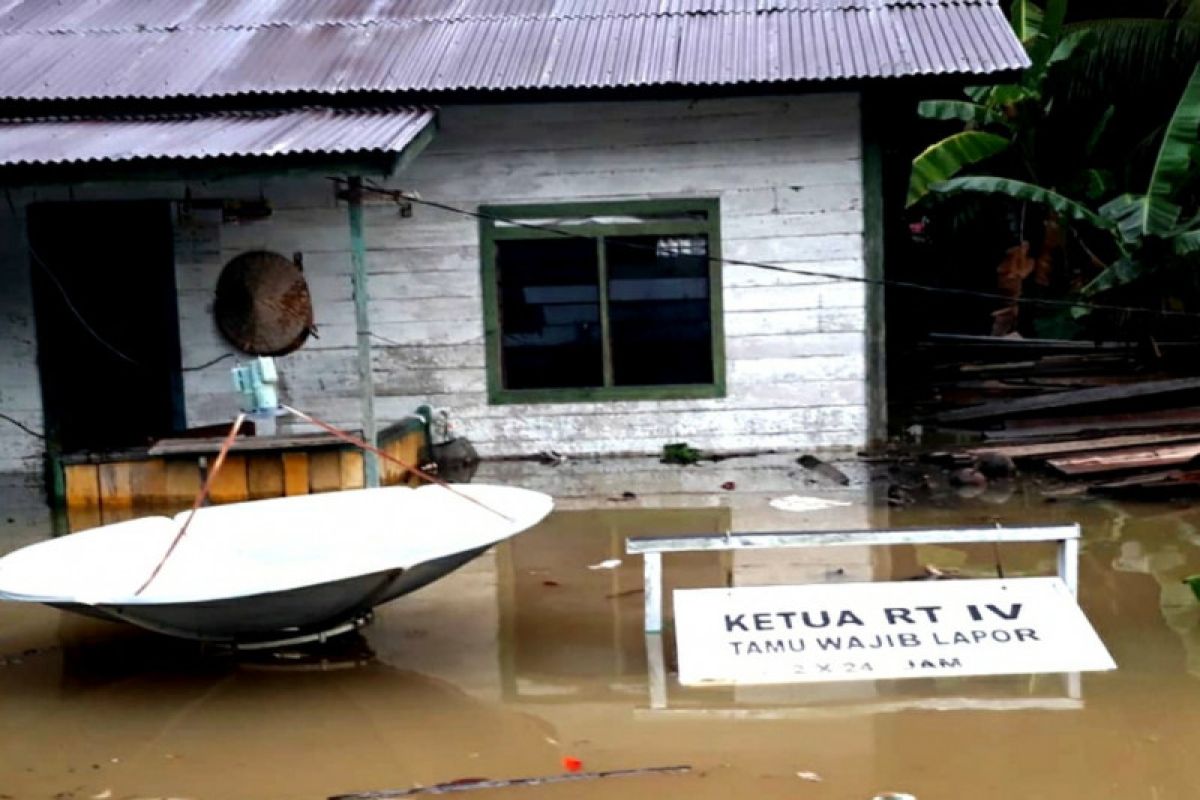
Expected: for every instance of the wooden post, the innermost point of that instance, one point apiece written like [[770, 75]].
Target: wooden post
[[358, 258], [873, 258]]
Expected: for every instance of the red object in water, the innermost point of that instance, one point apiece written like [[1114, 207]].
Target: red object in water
[[572, 764], [729, 486]]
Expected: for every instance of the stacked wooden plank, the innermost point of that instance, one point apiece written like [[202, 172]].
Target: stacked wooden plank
[[1113, 415]]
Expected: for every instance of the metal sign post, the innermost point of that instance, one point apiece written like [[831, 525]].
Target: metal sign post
[[652, 550]]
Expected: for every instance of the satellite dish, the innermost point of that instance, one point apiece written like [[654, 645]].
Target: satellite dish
[[263, 306]]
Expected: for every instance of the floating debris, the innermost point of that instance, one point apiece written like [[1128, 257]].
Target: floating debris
[[470, 785], [800, 504], [610, 563], [825, 470]]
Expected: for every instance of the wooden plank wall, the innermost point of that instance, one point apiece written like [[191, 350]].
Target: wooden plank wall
[[254, 476], [20, 390], [788, 174]]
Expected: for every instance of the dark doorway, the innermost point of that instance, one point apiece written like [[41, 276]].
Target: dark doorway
[[107, 324]]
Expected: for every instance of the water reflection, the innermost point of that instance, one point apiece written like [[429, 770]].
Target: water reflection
[[529, 654]]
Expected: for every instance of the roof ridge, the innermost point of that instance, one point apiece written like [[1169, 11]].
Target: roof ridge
[[223, 113], [765, 7]]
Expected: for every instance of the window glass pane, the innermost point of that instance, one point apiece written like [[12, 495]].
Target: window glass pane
[[659, 310], [549, 313]]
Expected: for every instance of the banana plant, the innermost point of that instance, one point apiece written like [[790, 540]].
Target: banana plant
[[1144, 229], [997, 117]]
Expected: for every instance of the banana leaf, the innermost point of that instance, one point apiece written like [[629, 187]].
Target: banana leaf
[[1194, 582], [1126, 212], [1119, 273], [1187, 244], [1019, 190], [973, 113], [978, 94], [1094, 183], [1127, 59], [947, 158], [1043, 45], [1026, 18], [1093, 140], [1156, 213], [1161, 211], [1069, 44]]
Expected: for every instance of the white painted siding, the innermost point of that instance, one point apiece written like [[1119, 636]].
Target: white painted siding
[[787, 171], [20, 390]]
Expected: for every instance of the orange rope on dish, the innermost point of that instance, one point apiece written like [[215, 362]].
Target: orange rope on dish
[[204, 490], [365, 445]]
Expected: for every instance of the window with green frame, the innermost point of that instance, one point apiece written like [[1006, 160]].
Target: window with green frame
[[603, 301]]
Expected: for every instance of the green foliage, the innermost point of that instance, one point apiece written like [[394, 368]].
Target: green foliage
[[1093, 184], [1194, 582], [1026, 20], [1141, 232], [1025, 192], [1093, 140], [1046, 42], [680, 453], [1187, 243], [971, 113], [945, 159], [1003, 111], [1128, 61], [1172, 168]]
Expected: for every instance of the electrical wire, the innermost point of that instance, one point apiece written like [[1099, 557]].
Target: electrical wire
[[23, 426], [62, 290], [66, 297], [400, 196], [208, 363]]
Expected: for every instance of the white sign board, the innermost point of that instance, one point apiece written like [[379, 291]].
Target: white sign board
[[870, 631]]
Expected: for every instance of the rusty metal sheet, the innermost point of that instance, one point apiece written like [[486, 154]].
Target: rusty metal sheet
[[309, 130], [263, 306], [205, 48]]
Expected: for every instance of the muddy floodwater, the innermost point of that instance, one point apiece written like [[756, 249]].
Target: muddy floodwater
[[527, 657]]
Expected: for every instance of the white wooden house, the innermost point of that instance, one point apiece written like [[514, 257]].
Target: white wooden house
[[595, 188]]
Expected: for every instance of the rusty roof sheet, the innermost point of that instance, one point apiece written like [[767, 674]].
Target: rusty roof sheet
[[91, 49], [214, 135]]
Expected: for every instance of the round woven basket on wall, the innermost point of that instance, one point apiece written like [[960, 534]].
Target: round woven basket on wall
[[263, 306]]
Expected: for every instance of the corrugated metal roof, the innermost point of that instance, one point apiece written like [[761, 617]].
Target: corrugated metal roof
[[94, 16], [91, 49], [300, 131]]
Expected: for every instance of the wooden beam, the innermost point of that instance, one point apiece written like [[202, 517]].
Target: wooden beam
[[230, 485], [1083, 445], [325, 471], [351, 469], [1081, 397], [148, 480], [116, 485], [264, 476], [1129, 458], [82, 485], [183, 479], [295, 473]]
